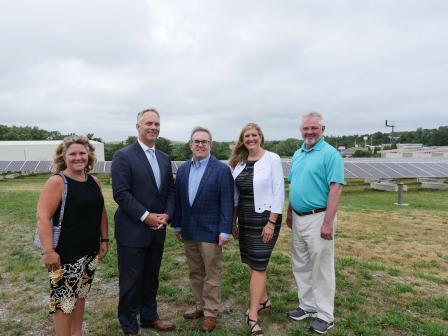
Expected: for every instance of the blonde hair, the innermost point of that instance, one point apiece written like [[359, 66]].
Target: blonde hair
[[240, 152], [59, 161]]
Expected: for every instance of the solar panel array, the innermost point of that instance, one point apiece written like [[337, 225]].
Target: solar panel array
[[378, 168], [396, 168]]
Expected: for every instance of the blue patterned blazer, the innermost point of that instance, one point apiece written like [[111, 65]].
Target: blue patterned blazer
[[212, 209]]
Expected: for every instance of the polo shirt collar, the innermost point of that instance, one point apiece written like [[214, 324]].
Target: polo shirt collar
[[317, 146]]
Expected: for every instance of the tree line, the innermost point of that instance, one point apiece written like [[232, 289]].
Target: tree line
[[17, 133], [180, 151]]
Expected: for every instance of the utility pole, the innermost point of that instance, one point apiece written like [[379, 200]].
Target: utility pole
[[392, 126]]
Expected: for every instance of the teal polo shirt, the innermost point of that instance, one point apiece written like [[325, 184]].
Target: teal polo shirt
[[312, 171]]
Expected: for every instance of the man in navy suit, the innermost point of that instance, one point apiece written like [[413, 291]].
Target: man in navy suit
[[203, 221], [143, 187]]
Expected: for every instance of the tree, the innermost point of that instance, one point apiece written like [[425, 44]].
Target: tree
[[288, 147], [130, 140], [110, 149], [221, 150], [362, 153], [439, 137], [181, 152], [91, 136], [164, 145]]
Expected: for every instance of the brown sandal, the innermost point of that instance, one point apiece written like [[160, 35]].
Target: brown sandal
[[262, 306], [253, 325]]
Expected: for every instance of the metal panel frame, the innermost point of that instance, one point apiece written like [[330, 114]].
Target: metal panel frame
[[366, 168]]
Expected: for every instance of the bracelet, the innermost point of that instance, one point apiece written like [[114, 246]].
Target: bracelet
[[104, 240], [272, 222]]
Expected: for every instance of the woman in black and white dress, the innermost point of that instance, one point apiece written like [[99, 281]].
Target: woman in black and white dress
[[259, 200]]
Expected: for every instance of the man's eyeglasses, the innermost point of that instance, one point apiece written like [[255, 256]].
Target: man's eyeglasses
[[200, 142]]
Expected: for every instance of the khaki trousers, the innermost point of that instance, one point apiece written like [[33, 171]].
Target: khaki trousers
[[313, 265], [204, 264]]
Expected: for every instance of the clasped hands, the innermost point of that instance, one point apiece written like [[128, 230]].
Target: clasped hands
[[156, 221]]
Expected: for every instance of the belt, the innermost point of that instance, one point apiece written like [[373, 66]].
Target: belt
[[312, 212]]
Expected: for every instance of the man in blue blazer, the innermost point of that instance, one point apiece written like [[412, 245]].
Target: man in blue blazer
[[203, 221], [143, 188]]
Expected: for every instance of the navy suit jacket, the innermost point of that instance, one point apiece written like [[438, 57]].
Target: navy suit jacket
[[135, 191], [212, 210]]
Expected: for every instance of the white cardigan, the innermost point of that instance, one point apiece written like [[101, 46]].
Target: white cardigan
[[269, 192]]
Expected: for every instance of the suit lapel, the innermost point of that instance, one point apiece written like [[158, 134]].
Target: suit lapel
[[142, 157], [205, 178], [186, 184]]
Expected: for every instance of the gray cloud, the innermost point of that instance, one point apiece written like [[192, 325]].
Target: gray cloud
[[89, 67]]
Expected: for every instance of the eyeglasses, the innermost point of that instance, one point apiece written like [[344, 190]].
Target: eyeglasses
[[200, 142]]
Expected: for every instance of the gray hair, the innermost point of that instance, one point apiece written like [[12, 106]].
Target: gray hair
[[140, 114], [314, 115], [200, 129]]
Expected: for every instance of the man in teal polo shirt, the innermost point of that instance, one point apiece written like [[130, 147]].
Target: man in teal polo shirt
[[316, 177]]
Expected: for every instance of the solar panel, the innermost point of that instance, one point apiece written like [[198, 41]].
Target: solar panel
[[107, 166], [348, 174], [176, 166], [375, 170], [14, 166], [99, 167], [29, 166], [370, 168], [396, 168], [441, 169], [43, 167], [285, 167], [388, 170], [3, 165], [359, 169]]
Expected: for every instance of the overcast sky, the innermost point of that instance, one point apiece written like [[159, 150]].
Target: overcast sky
[[90, 66]]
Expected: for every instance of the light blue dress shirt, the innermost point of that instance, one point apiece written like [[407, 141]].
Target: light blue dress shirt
[[154, 166], [197, 170]]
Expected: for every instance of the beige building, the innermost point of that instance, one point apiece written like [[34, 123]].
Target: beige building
[[415, 151]]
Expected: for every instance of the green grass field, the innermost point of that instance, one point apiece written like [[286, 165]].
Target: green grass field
[[391, 269]]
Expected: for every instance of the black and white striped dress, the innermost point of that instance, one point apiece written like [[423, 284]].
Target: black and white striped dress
[[253, 251]]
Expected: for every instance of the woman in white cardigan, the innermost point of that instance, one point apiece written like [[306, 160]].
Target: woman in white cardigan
[[259, 200]]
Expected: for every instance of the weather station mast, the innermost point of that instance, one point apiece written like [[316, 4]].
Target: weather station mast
[[391, 124]]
